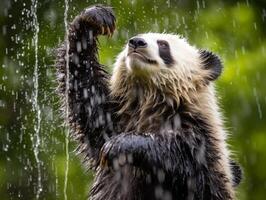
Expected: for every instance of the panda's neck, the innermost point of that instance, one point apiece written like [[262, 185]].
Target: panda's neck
[[147, 109], [150, 109]]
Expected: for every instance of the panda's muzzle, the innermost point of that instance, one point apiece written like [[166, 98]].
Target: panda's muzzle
[[136, 49], [140, 55]]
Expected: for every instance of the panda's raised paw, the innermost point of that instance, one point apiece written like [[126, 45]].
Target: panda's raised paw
[[100, 17]]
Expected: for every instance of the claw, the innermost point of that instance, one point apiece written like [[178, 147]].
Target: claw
[[102, 30], [112, 30], [103, 162], [108, 31]]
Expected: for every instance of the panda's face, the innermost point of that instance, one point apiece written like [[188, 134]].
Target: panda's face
[[152, 52], [166, 57]]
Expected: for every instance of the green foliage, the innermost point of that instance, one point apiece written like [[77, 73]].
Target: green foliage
[[235, 30]]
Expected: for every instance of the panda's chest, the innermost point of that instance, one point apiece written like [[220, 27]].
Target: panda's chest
[[149, 116]]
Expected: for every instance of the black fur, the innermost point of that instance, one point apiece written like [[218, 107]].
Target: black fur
[[237, 173], [177, 163], [165, 52], [212, 63], [88, 95]]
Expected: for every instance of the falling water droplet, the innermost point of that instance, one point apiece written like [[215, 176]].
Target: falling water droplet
[[66, 94], [36, 107], [257, 102]]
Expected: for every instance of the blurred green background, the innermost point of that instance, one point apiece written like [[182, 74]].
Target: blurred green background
[[32, 159]]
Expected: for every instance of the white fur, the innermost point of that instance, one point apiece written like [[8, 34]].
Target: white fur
[[185, 55], [188, 75]]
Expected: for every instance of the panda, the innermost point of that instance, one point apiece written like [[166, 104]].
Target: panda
[[152, 129]]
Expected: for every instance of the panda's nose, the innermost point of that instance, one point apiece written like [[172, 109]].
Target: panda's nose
[[137, 43]]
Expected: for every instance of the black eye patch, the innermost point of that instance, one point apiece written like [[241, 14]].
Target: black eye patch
[[164, 52]]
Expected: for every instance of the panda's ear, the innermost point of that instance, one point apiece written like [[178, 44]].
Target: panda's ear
[[212, 63]]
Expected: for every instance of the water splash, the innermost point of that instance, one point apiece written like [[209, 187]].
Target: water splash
[[66, 94], [257, 102], [36, 107]]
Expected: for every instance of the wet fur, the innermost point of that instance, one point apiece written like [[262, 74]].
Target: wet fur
[[147, 138]]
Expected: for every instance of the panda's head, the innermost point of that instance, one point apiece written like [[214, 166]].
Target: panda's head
[[166, 62]]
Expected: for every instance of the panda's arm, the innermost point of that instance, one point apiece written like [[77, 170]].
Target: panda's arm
[[181, 159], [184, 159], [86, 80], [168, 152]]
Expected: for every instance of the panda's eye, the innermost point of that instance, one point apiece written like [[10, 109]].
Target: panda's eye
[[165, 52], [163, 44]]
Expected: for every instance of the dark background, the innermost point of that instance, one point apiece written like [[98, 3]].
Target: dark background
[[32, 159]]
